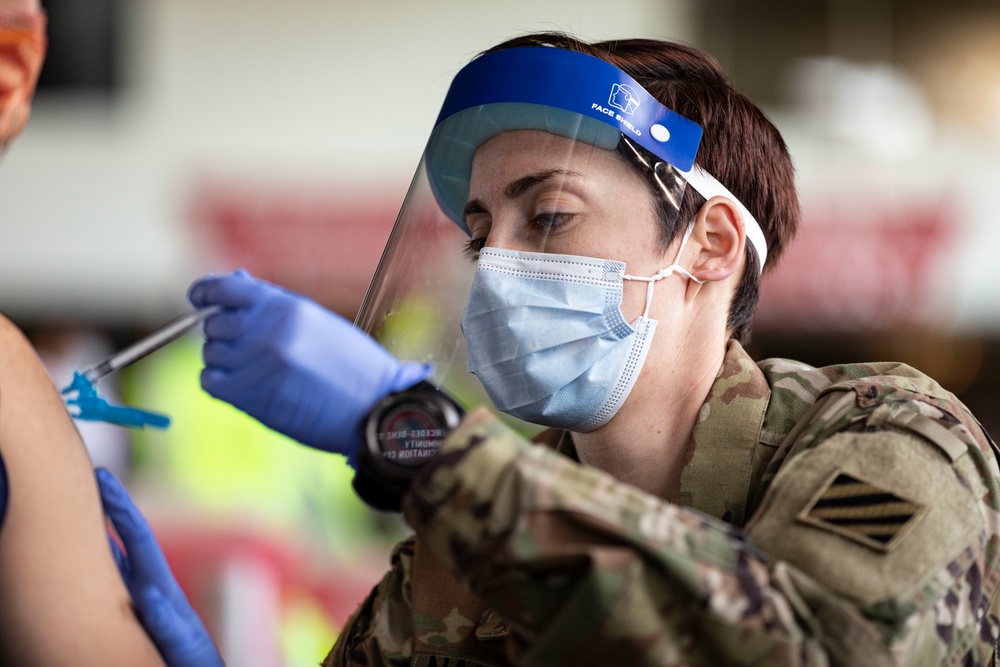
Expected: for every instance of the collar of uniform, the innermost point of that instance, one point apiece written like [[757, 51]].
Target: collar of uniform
[[725, 440], [558, 440]]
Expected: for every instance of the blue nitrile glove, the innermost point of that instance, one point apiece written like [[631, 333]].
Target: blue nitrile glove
[[3, 491], [160, 603], [292, 364]]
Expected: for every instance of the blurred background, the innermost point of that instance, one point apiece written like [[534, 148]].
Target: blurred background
[[170, 138]]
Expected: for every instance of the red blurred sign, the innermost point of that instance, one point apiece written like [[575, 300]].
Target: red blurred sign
[[323, 244], [858, 266], [854, 265]]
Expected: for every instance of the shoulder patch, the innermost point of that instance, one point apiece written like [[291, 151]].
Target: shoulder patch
[[875, 516], [863, 512]]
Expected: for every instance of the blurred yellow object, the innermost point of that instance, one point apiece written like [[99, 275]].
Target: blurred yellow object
[[306, 631], [414, 330]]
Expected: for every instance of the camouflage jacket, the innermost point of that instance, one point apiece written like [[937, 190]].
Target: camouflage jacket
[[846, 515]]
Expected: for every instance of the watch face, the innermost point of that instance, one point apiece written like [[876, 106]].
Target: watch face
[[408, 433]]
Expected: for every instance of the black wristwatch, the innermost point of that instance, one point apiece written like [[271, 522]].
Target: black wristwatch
[[402, 432]]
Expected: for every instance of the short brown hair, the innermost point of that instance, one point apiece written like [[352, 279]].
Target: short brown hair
[[740, 146]]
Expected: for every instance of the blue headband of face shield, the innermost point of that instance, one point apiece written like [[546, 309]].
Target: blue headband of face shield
[[566, 93]]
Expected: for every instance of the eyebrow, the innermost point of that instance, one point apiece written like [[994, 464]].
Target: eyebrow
[[517, 188]]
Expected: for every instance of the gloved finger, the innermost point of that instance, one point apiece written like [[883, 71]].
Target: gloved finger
[[226, 325], [234, 290], [409, 374], [158, 616], [145, 557], [176, 629], [240, 386], [216, 381], [224, 355], [196, 292], [3, 491]]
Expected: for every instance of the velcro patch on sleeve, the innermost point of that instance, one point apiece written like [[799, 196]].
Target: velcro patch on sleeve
[[904, 482], [862, 512]]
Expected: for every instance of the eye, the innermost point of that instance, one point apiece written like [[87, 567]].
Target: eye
[[551, 221], [473, 246]]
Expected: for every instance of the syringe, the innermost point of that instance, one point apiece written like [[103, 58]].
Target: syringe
[[169, 332]]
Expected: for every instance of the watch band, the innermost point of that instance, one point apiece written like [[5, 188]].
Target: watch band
[[377, 492]]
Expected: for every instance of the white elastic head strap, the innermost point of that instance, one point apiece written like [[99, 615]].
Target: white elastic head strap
[[664, 272], [707, 186]]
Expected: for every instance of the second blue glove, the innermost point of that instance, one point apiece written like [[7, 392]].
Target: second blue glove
[[160, 602], [292, 364]]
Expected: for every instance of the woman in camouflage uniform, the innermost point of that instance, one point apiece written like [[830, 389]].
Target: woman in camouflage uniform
[[710, 510]]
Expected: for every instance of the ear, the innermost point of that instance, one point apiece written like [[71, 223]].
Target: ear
[[720, 237]]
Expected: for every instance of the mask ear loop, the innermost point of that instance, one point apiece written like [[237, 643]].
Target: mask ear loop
[[665, 272]]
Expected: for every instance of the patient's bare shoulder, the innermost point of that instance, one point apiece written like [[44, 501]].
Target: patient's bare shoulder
[[63, 600]]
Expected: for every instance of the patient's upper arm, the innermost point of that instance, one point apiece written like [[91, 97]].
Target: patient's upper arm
[[62, 601]]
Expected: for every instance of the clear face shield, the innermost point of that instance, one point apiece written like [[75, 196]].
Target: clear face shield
[[545, 187]]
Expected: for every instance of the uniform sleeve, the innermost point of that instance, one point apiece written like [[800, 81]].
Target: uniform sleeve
[[591, 571]]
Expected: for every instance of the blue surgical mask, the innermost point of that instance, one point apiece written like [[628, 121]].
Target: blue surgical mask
[[546, 338]]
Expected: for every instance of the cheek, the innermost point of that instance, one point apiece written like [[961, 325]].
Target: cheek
[[633, 300], [636, 241], [627, 232], [633, 224]]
